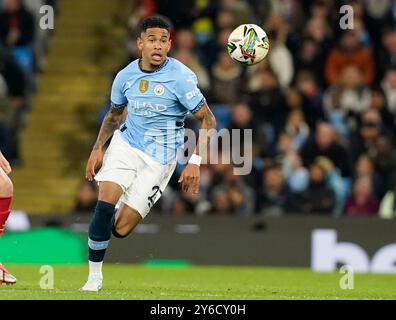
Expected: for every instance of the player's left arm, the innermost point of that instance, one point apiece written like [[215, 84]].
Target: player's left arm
[[190, 176]]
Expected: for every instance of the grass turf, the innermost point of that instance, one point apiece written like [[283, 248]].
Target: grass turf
[[196, 282]]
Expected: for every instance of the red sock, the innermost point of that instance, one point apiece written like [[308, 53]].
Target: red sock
[[5, 209]]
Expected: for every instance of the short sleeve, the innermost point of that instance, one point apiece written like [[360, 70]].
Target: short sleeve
[[188, 92], [118, 99]]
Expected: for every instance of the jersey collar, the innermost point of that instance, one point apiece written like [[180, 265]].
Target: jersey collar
[[156, 70]]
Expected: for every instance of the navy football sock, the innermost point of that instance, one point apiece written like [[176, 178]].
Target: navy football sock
[[100, 231]]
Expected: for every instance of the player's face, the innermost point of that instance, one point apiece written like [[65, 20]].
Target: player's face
[[154, 44]]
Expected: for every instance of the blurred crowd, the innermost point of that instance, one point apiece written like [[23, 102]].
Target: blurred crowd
[[23, 47], [322, 105]]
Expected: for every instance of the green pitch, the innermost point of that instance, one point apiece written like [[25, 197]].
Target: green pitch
[[188, 283]]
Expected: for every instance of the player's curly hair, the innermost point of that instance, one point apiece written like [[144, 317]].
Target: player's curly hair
[[157, 21]]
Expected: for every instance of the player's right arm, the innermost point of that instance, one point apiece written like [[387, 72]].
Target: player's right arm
[[110, 124], [4, 164]]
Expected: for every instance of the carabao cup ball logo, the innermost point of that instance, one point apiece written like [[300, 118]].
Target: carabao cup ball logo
[[248, 44]]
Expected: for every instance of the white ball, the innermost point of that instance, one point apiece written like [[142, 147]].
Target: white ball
[[248, 44]]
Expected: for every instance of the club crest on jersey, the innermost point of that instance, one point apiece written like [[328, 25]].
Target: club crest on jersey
[[159, 90], [143, 86]]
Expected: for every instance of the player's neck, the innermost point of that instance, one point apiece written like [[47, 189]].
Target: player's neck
[[148, 67]]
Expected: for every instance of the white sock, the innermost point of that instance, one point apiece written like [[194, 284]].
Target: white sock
[[95, 268]]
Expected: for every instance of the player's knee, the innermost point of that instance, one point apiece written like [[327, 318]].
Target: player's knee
[[6, 187], [109, 192]]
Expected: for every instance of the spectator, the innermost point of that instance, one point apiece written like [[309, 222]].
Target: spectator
[[180, 206], [297, 100], [17, 31], [221, 203], [242, 119], [266, 82], [226, 80], [352, 96], [217, 172], [360, 28], [275, 197], [240, 9], [370, 130], [184, 40], [312, 93], [41, 38], [239, 203], [365, 168], [240, 196], [280, 59], [253, 75], [324, 9], [186, 51], [268, 106], [204, 26], [225, 20], [315, 46], [193, 63], [285, 146], [339, 185], [297, 176], [378, 102], [86, 198], [12, 74], [349, 52], [294, 100], [318, 198], [324, 143], [16, 24], [378, 16], [308, 58], [297, 128], [362, 201], [388, 84], [385, 161], [186, 203], [387, 53], [318, 30]]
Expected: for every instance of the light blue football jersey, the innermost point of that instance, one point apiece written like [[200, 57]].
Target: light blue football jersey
[[158, 103]]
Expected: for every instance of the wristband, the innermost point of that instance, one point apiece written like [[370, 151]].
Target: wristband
[[195, 159]]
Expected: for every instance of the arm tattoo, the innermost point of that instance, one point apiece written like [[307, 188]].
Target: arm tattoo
[[207, 131], [110, 124]]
